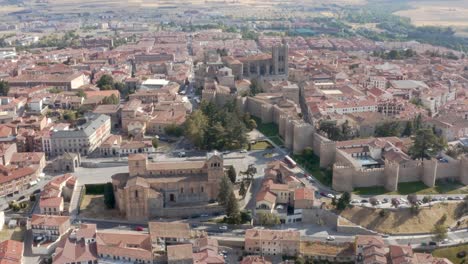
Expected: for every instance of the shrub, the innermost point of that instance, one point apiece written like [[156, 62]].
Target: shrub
[[94, 188]]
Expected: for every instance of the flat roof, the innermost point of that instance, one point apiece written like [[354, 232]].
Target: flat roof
[[332, 92], [155, 82]]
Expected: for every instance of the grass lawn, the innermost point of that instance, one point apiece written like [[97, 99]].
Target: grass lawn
[[261, 145], [270, 130], [16, 233], [311, 163], [451, 253], [406, 188], [92, 206]]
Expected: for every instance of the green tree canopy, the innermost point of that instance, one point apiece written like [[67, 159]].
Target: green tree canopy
[[426, 144], [174, 130], [267, 219], [232, 209], [109, 199], [105, 80], [225, 188], [388, 129], [155, 142], [232, 174], [4, 88]]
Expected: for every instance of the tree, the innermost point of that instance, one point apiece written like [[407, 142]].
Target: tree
[[155, 142], [69, 115], [232, 209], [109, 198], [4, 88], [81, 93], [225, 188], [195, 128], [331, 130], [427, 199], [267, 219], [254, 87], [426, 144], [112, 99], [343, 201], [107, 87], [242, 189], [388, 129], [231, 173], [440, 232], [408, 130], [250, 172], [252, 124], [412, 198], [174, 130], [105, 80], [346, 131]]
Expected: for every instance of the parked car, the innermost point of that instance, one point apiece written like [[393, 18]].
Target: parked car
[[37, 191], [385, 236], [309, 178], [384, 200], [450, 198], [331, 196], [21, 198], [432, 243], [243, 151], [223, 228], [323, 194], [330, 238], [445, 241], [354, 201], [364, 201], [204, 215], [139, 228], [458, 198]]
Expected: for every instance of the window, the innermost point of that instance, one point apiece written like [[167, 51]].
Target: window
[[136, 194], [181, 190]]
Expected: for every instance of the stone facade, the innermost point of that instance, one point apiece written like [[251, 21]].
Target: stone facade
[[149, 187]]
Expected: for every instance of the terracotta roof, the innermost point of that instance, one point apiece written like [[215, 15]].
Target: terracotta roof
[[303, 194], [11, 252], [255, 260], [49, 220], [271, 235], [51, 202], [10, 174], [180, 252], [169, 230], [266, 196], [75, 250], [128, 245]]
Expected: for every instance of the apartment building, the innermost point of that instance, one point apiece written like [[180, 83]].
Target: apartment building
[[83, 139], [79, 246], [272, 242], [6, 152], [55, 193], [124, 247], [51, 227], [66, 81], [14, 180]]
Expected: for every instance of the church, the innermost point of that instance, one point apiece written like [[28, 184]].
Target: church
[[153, 186]]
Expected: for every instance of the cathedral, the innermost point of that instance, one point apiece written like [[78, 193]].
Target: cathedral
[[153, 186]]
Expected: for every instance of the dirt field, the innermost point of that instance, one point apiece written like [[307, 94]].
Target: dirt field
[[438, 13], [403, 221], [93, 206]]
